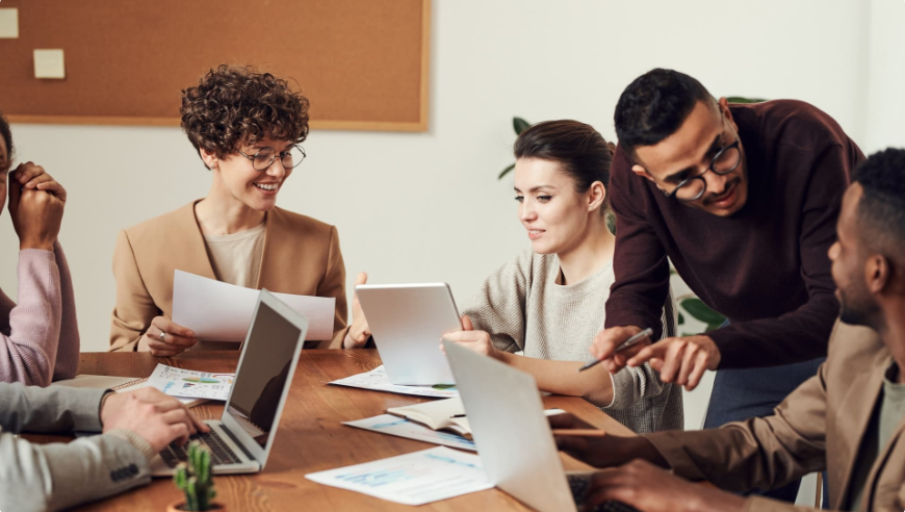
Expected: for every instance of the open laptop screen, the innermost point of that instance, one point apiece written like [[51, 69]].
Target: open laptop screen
[[261, 377]]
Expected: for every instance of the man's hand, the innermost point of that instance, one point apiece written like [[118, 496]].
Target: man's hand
[[36, 203], [646, 487], [478, 341], [165, 338], [359, 332], [608, 340], [680, 360], [599, 451], [156, 417]]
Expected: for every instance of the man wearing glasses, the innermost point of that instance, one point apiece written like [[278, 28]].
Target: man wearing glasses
[[743, 200]]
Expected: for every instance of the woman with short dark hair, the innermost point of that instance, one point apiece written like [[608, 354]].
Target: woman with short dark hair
[[39, 336]]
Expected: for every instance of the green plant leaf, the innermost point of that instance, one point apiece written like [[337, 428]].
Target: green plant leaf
[[741, 99], [519, 125], [713, 327], [697, 309], [681, 319], [506, 171]]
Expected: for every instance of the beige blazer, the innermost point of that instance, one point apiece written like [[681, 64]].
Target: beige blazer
[[819, 426], [301, 256]]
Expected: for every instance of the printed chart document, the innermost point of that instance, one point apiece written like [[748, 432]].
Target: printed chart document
[[182, 383], [219, 311], [377, 380], [396, 426], [414, 479]]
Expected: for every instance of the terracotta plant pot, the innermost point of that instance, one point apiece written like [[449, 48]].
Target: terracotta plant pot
[[177, 507]]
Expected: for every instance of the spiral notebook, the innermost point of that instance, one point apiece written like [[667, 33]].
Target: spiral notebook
[[118, 384]]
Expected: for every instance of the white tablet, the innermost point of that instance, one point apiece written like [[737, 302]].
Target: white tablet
[[407, 322]]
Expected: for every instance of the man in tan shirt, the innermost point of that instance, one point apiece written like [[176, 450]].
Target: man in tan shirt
[[849, 419]]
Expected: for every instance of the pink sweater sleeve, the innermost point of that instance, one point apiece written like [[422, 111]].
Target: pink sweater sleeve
[[67, 362], [30, 344]]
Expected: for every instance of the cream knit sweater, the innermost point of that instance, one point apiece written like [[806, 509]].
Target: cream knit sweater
[[524, 308]]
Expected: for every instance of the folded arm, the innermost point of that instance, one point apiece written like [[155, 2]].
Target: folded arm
[[758, 453], [67, 362], [28, 350]]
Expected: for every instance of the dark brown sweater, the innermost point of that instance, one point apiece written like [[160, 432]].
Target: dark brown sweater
[[766, 267]]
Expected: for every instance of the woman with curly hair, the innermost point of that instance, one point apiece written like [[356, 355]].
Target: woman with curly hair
[[247, 127]]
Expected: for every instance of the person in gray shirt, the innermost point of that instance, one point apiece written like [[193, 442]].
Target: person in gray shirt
[[135, 427], [548, 303]]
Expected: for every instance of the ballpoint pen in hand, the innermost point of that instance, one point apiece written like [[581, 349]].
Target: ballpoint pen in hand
[[625, 344]]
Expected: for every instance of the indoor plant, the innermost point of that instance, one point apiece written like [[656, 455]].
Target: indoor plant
[[195, 479]]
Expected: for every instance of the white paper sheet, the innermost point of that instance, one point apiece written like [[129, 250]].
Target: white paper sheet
[[396, 426], [414, 479], [9, 23], [219, 311], [50, 64], [182, 383], [377, 380]]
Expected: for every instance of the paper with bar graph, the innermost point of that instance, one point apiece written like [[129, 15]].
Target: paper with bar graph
[[413, 479]]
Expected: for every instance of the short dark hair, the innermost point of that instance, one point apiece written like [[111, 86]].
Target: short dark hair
[[7, 135], [881, 211], [231, 105], [654, 106], [584, 154]]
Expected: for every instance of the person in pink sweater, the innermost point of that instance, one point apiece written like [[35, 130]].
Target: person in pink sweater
[[39, 336]]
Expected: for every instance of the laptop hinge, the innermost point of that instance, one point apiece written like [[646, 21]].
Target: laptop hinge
[[237, 442]]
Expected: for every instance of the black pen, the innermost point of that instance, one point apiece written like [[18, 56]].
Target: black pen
[[625, 344], [457, 416]]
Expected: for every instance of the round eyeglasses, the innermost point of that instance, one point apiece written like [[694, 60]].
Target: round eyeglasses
[[263, 159], [724, 162]]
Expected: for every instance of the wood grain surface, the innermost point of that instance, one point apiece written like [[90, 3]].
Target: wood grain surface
[[310, 438]]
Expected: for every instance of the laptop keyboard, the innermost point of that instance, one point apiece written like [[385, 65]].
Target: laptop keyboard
[[578, 484], [220, 451]]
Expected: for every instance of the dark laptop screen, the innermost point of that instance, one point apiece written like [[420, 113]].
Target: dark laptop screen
[[262, 376]]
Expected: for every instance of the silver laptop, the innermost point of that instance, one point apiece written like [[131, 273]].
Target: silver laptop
[[407, 322], [512, 434], [241, 439]]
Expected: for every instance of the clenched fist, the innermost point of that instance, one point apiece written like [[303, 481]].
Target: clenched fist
[[36, 203]]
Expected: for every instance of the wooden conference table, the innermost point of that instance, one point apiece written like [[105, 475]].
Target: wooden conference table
[[311, 437]]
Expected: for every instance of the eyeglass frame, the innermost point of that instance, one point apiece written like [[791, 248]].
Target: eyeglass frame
[[710, 167], [274, 159]]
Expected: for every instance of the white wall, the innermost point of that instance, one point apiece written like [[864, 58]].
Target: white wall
[[417, 207], [884, 91]]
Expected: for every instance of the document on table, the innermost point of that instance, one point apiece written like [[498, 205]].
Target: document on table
[[182, 383], [219, 311], [414, 479], [377, 380], [396, 426]]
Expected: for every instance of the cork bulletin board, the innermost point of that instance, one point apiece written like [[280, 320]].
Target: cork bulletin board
[[363, 64]]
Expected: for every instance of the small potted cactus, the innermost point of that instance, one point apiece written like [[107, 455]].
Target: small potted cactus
[[196, 481]]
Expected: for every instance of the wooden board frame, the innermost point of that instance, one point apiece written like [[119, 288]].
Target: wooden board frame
[[420, 126]]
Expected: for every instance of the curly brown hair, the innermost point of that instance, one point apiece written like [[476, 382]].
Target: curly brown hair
[[232, 106]]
